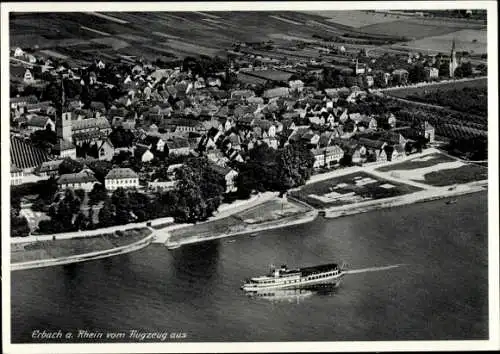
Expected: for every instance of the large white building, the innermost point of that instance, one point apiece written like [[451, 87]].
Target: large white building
[[121, 178]]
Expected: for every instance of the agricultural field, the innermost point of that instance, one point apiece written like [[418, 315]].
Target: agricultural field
[[408, 29], [358, 19], [185, 32], [470, 40], [452, 85], [416, 163], [349, 189]]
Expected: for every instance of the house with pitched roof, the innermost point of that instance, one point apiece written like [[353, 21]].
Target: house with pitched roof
[[36, 122], [143, 153], [22, 101], [121, 178], [177, 146], [276, 92], [229, 175], [375, 149], [101, 150], [84, 179], [49, 168], [333, 154], [319, 157]]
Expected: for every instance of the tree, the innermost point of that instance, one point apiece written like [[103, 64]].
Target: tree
[[97, 194], [444, 70], [295, 165], [107, 214], [45, 138], [464, 70], [121, 137], [121, 202], [68, 165], [13, 90], [15, 204], [19, 226], [100, 168], [416, 73], [52, 92], [38, 205], [47, 189], [32, 90], [122, 158], [80, 193], [82, 222], [191, 205]]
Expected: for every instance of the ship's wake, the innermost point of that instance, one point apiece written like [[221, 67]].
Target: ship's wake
[[372, 269]]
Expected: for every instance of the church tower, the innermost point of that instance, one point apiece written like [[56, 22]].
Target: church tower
[[63, 121], [453, 60]]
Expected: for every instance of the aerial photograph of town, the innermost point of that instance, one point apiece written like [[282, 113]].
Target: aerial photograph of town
[[248, 176]]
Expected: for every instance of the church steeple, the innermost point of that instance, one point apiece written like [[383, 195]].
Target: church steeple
[[453, 59], [63, 120]]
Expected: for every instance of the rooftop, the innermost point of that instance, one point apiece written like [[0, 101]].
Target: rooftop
[[119, 173], [24, 154]]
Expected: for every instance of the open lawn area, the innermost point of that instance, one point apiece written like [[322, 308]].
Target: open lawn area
[[32, 251], [271, 210], [463, 174], [349, 189], [418, 162]]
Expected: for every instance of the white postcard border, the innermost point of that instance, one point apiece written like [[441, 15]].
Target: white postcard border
[[493, 232]]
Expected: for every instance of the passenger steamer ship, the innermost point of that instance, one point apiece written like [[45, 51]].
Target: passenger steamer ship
[[327, 275]]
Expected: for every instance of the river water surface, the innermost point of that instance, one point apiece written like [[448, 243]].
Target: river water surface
[[441, 291]]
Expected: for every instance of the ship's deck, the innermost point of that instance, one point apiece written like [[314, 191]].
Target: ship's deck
[[319, 269]]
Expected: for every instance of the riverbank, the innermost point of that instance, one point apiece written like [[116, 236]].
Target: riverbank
[[275, 213], [40, 254], [295, 220], [418, 191], [417, 197]]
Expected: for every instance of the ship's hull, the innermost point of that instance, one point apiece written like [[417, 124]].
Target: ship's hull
[[312, 284]]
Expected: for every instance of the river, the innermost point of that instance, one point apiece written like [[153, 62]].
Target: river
[[440, 292]]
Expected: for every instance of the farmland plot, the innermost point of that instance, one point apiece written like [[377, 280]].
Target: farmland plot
[[407, 29], [358, 19], [473, 41]]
